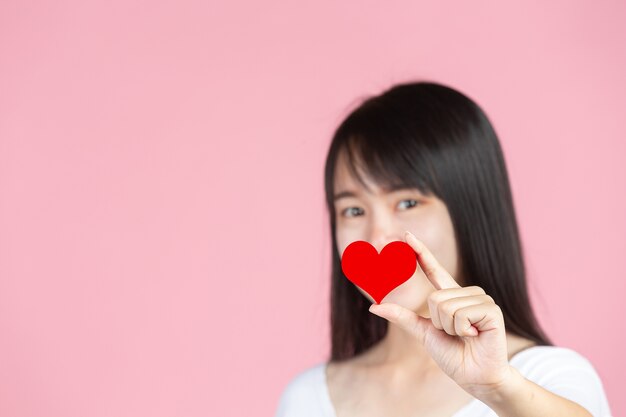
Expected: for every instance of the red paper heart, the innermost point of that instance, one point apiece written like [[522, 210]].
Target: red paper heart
[[378, 274]]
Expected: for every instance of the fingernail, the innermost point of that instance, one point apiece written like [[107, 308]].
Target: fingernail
[[373, 308]]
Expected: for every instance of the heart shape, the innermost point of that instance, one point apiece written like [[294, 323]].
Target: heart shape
[[378, 274]]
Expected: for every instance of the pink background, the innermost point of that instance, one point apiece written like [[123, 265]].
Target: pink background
[[163, 241]]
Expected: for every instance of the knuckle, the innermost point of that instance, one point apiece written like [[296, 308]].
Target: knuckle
[[496, 309], [428, 270], [461, 313], [488, 298], [398, 314], [402, 315], [477, 289], [446, 308], [434, 297]]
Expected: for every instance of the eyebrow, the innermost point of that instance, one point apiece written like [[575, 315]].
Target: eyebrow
[[393, 188]]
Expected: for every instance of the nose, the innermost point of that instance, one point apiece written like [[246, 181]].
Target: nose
[[382, 233]]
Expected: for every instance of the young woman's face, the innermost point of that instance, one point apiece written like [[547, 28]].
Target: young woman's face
[[381, 217]]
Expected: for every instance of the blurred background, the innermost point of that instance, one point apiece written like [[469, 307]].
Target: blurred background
[[164, 244]]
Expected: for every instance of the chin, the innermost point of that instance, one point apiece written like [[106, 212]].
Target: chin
[[409, 295]]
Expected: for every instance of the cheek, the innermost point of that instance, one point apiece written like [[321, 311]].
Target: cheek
[[441, 242], [344, 237]]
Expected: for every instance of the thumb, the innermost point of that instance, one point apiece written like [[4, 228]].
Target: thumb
[[403, 317]]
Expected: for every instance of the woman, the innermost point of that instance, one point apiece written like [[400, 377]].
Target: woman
[[421, 163]]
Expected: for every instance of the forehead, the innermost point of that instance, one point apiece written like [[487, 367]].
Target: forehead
[[346, 181]]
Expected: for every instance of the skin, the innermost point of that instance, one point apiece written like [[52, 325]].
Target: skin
[[446, 343]]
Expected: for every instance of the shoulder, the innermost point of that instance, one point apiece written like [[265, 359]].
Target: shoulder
[[564, 372], [542, 361], [306, 381], [304, 393]]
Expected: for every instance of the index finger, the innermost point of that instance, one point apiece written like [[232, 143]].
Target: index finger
[[435, 273]]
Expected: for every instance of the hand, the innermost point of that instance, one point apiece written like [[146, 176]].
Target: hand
[[465, 334]]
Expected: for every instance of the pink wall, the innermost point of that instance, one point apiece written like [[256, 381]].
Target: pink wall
[[163, 241]]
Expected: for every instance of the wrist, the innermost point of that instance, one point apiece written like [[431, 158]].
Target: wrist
[[504, 393]]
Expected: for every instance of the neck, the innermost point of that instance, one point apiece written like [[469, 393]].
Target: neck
[[401, 350]]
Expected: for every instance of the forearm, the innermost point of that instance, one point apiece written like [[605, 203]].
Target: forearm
[[521, 397]]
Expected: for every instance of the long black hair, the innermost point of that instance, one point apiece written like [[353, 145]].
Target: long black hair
[[434, 138]]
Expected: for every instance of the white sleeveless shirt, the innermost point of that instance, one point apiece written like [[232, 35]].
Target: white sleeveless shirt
[[560, 370]]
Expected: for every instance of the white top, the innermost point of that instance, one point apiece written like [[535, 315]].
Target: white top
[[560, 370]]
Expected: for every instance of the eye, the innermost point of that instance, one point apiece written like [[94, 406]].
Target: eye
[[414, 202], [348, 210]]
